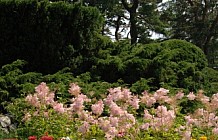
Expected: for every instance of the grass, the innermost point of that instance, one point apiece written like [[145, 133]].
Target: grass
[[7, 136]]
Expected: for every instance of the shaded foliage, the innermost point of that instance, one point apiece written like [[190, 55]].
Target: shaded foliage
[[173, 63], [14, 83], [49, 36]]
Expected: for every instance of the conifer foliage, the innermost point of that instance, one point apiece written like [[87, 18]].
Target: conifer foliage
[[48, 35]]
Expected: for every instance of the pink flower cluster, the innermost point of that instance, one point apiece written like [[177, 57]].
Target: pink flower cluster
[[121, 105], [78, 103], [74, 89], [98, 107], [161, 121], [119, 120], [203, 117], [41, 97]]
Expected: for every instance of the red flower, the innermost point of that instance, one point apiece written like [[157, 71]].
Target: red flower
[[32, 138], [46, 137]]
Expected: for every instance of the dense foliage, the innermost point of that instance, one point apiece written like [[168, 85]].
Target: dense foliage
[[14, 83], [173, 63], [116, 88], [49, 36]]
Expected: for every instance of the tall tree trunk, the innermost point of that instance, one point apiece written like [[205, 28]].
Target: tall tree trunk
[[117, 37], [133, 22], [133, 28]]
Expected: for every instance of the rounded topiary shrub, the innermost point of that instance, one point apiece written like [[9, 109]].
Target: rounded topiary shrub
[[171, 63], [177, 63]]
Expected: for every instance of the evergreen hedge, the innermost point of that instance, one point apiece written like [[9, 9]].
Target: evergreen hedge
[[48, 35]]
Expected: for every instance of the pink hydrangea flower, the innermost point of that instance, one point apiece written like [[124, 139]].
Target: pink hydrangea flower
[[114, 121], [77, 104], [215, 131], [116, 93], [84, 115], [189, 120], [33, 100], [127, 95], [130, 118], [199, 112], [104, 124], [161, 111], [74, 89], [50, 98], [187, 135], [27, 117], [150, 101], [98, 107], [146, 99], [115, 110], [112, 132], [205, 99], [160, 95], [145, 126], [162, 91], [59, 107], [108, 100], [191, 96], [147, 115], [179, 95], [84, 127], [135, 102], [42, 90]]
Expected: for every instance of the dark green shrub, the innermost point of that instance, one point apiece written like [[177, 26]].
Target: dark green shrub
[[140, 86], [15, 84], [172, 63], [211, 78], [49, 36], [179, 64]]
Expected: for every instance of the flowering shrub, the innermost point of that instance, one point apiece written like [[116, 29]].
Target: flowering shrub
[[32, 138], [119, 115], [45, 137]]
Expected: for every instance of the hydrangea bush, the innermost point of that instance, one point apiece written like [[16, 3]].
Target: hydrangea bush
[[119, 115]]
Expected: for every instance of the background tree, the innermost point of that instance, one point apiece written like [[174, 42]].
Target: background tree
[[114, 15], [139, 17], [131, 8], [195, 21], [149, 20]]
